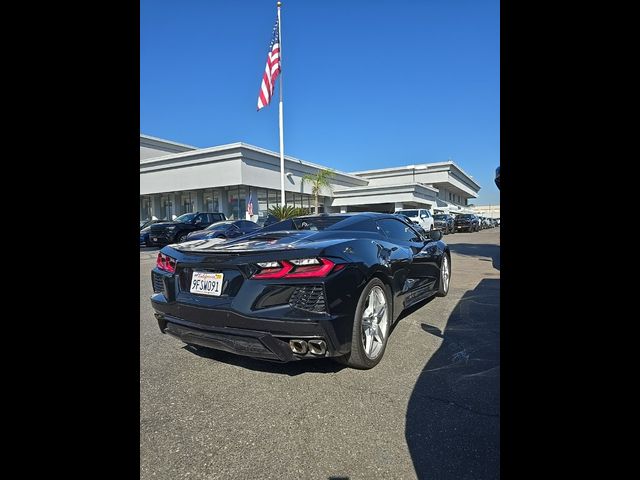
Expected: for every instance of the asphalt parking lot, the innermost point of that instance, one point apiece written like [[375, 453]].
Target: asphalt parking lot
[[430, 409]]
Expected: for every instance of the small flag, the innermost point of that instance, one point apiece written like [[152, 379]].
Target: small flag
[[250, 205], [271, 70]]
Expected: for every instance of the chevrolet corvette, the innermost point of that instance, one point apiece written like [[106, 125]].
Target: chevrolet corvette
[[328, 285]]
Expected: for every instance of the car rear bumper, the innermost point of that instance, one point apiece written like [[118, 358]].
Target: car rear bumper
[[265, 338]]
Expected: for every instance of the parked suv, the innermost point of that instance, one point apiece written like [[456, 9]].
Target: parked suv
[[467, 222], [444, 222], [164, 233], [420, 215]]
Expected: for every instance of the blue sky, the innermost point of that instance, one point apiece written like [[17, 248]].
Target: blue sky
[[367, 84]]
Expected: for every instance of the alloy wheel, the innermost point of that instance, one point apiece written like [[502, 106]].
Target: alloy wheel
[[446, 273], [375, 321]]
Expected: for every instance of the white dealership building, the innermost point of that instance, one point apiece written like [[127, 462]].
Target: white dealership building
[[177, 178]]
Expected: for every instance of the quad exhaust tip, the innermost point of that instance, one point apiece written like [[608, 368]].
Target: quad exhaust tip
[[314, 347], [298, 346], [317, 347]]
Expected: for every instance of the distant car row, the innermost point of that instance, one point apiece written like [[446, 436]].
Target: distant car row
[[209, 225], [447, 223], [194, 226], [469, 222]]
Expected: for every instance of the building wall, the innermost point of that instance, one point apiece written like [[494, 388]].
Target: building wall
[[193, 176], [181, 178], [491, 211], [151, 147]]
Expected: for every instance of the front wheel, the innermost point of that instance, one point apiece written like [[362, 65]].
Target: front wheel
[[182, 237], [371, 326]]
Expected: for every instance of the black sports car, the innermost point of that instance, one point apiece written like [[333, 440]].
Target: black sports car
[[326, 285], [444, 222], [225, 229]]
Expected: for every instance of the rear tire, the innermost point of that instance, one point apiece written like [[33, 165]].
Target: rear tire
[[367, 350]]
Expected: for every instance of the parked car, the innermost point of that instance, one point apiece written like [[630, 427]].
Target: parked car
[[164, 233], [467, 222], [444, 222], [329, 285], [225, 229], [485, 223], [497, 179], [420, 215], [267, 220], [147, 222], [144, 236]]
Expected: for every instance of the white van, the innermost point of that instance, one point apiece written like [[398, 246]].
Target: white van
[[420, 215]]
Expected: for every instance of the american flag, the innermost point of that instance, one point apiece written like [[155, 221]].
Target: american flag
[[250, 204], [271, 70]]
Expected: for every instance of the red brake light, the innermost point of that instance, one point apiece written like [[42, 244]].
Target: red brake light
[[309, 271], [289, 270], [276, 272], [166, 263]]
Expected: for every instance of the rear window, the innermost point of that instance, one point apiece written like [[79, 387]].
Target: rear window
[[316, 223], [305, 223]]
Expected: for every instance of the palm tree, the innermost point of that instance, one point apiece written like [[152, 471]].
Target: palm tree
[[318, 181]]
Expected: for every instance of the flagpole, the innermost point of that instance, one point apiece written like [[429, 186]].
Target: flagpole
[[282, 195]]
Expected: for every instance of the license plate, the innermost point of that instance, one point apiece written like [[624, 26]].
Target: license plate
[[205, 283]]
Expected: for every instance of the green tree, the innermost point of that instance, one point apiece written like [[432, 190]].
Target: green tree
[[318, 181], [282, 212]]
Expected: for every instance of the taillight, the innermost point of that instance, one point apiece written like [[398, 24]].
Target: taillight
[[298, 268], [166, 263]]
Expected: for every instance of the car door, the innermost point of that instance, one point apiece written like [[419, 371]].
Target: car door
[[421, 270]]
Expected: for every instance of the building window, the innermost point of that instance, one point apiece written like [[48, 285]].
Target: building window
[[273, 198], [263, 201], [211, 200], [187, 202], [237, 202]]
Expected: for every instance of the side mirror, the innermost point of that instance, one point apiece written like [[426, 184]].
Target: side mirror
[[434, 235]]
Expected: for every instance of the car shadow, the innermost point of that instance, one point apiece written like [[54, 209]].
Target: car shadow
[[410, 310], [319, 365], [478, 250], [453, 417]]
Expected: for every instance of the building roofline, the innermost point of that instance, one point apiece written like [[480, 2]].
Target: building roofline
[[448, 163], [399, 186], [163, 140], [228, 146]]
